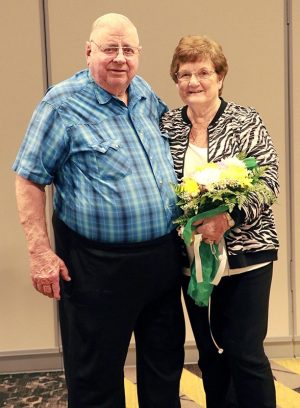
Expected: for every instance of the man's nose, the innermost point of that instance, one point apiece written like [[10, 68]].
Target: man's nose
[[120, 55]]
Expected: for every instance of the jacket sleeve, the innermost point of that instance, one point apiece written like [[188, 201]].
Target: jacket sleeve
[[255, 141]]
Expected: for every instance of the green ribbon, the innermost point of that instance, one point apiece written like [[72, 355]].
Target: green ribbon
[[250, 162], [209, 254]]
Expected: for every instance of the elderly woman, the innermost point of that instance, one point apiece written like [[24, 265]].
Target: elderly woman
[[208, 129]]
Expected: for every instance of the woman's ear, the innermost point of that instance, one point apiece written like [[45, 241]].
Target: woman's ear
[[221, 82]]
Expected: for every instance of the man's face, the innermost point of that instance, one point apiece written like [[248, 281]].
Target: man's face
[[113, 71]]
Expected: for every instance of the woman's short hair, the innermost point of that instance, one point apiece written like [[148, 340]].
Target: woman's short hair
[[194, 48]]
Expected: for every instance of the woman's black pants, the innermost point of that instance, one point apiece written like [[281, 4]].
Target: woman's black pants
[[238, 320]]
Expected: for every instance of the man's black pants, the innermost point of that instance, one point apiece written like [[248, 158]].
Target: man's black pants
[[117, 290]]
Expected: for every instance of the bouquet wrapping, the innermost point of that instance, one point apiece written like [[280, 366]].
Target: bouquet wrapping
[[210, 190]]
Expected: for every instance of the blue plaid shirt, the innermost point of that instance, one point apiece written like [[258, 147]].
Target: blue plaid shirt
[[110, 164]]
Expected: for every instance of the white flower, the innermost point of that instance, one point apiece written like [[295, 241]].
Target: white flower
[[207, 176], [233, 161]]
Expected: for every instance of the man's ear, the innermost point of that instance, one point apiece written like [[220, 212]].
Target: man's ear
[[88, 48]]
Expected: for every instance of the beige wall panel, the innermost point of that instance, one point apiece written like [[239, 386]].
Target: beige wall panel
[[295, 160], [252, 35], [27, 319]]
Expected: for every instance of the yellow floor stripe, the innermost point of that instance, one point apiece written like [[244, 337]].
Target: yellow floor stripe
[[192, 386], [131, 394], [285, 397], [291, 364]]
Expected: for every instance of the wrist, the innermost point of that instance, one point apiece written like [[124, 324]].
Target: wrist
[[230, 220], [39, 247]]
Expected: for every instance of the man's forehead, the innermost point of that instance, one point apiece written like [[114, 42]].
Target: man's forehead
[[114, 33]]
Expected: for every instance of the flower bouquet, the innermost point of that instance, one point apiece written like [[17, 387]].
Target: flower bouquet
[[212, 189]]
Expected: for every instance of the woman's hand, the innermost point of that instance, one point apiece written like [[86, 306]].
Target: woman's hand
[[212, 228]]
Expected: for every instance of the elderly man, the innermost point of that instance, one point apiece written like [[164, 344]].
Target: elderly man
[[116, 269]]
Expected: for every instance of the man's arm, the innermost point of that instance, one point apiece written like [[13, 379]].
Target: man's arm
[[45, 265]]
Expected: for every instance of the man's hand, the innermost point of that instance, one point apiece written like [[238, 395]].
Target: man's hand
[[46, 268]]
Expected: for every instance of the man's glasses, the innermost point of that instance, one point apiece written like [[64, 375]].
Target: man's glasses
[[113, 51], [202, 75]]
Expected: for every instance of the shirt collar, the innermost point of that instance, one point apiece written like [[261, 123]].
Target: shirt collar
[[215, 118], [135, 92]]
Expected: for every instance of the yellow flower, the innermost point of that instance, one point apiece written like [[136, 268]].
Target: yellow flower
[[190, 187], [237, 174], [210, 165]]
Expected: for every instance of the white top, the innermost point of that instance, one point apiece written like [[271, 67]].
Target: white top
[[195, 156]]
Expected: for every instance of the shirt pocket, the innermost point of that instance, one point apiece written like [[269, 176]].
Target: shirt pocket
[[112, 160], [100, 159]]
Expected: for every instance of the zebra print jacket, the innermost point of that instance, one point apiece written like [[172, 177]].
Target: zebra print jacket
[[235, 129]]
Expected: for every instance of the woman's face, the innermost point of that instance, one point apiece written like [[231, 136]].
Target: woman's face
[[198, 83]]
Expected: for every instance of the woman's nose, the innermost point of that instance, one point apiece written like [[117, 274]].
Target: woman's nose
[[194, 78]]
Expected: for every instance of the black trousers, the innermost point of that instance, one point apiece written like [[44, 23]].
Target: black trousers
[[117, 290], [241, 376]]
